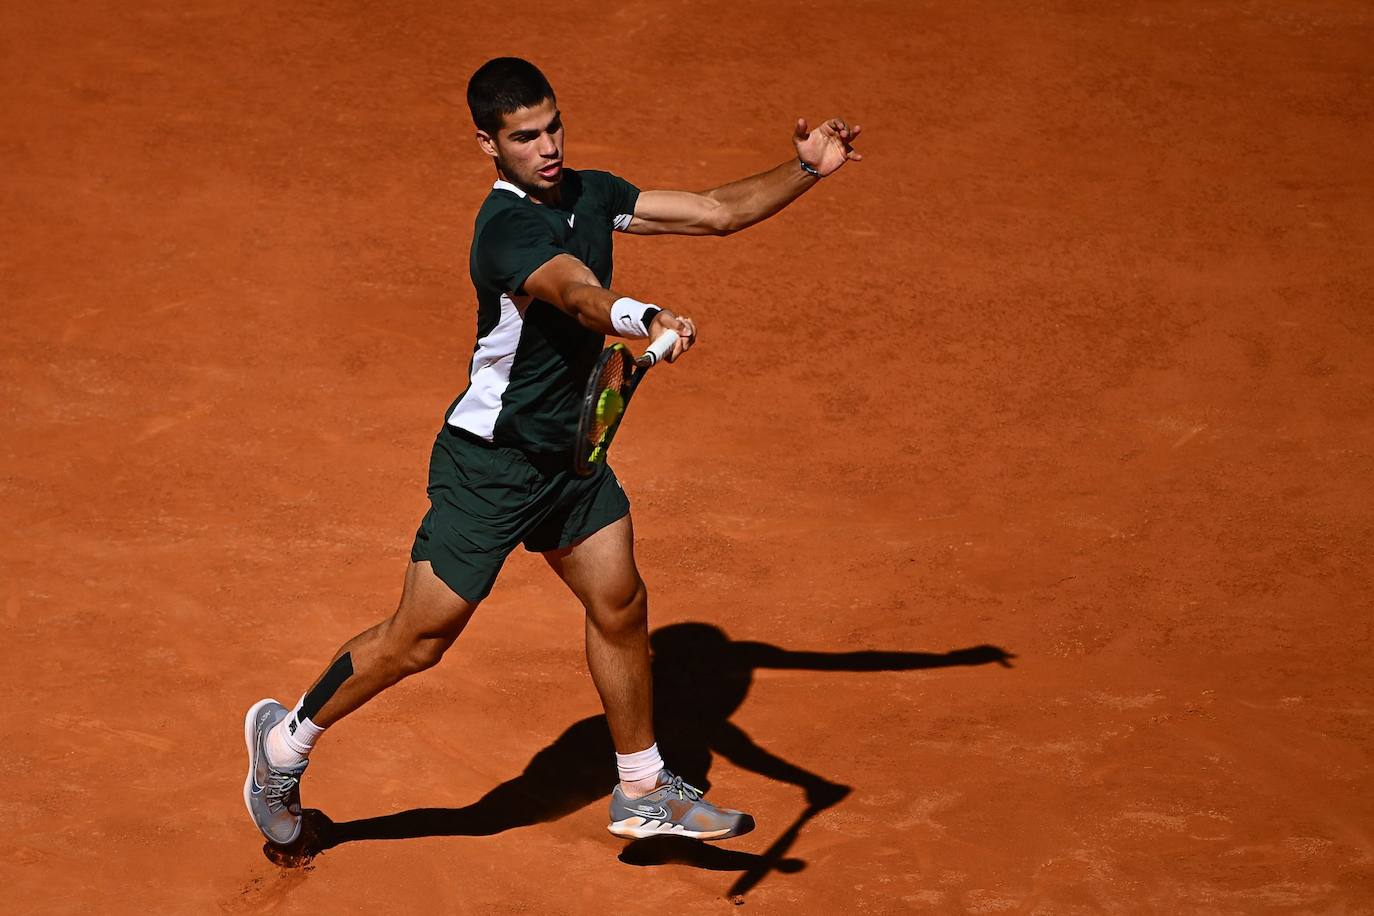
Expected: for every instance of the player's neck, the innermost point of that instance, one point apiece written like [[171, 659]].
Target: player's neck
[[547, 196], [550, 197]]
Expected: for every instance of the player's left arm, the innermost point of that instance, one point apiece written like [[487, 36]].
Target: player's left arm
[[739, 204]]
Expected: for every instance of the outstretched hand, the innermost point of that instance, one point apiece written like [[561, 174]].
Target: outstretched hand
[[827, 147]]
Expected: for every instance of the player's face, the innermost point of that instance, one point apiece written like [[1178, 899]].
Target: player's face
[[529, 147]]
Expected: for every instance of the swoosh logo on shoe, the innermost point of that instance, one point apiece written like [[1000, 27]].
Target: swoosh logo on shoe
[[656, 811], [259, 756]]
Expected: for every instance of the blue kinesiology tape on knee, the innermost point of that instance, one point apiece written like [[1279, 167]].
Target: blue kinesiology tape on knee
[[327, 686]]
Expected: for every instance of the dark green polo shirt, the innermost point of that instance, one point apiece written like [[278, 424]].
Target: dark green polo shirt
[[531, 360]]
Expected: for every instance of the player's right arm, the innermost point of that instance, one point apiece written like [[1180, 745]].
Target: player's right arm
[[516, 253], [569, 285]]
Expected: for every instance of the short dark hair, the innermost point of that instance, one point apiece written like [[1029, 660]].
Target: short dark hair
[[504, 85]]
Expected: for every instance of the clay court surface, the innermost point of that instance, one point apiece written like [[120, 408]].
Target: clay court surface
[[1023, 469]]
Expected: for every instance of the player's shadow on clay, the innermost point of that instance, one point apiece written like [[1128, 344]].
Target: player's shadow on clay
[[701, 677]]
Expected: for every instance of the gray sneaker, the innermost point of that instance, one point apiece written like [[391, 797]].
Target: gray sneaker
[[272, 794], [674, 809]]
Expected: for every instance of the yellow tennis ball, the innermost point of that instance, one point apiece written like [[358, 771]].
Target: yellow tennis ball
[[609, 406]]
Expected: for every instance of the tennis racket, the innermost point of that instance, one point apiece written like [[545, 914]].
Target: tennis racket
[[613, 381]]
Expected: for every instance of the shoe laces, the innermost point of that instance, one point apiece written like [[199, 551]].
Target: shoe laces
[[685, 791], [282, 790]]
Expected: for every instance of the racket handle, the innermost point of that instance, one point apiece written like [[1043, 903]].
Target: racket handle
[[659, 348]]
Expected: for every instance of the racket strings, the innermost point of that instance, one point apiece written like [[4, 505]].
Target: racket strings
[[610, 401]]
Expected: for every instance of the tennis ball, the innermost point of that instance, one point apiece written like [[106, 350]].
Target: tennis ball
[[609, 406]]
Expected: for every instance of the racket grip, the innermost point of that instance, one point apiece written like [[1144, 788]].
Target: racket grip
[[659, 348]]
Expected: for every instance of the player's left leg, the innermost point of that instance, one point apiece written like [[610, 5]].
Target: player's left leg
[[650, 800], [601, 572]]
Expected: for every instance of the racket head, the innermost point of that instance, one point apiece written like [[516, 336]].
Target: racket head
[[603, 404]]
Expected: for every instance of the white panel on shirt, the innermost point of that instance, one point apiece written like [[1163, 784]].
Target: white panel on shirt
[[480, 405]]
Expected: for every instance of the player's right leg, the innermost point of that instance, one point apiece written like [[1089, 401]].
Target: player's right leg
[[479, 511], [427, 621]]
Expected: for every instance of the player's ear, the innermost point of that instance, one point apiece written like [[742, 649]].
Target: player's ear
[[487, 143]]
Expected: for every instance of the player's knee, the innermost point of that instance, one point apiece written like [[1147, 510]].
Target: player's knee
[[403, 652], [623, 611], [421, 654]]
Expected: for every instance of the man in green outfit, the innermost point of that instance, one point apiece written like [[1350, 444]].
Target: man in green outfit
[[500, 471]]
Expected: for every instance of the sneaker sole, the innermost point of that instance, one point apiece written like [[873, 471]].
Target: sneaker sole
[[639, 828], [248, 721]]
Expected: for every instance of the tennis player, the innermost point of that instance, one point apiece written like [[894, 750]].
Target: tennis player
[[500, 471]]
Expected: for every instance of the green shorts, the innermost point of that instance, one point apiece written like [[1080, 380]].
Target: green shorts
[[485, 499]]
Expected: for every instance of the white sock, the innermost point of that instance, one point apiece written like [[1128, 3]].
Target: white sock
[[640, 765], [291, 740]]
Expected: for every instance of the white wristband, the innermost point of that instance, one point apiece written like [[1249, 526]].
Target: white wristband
[[627, 316]]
